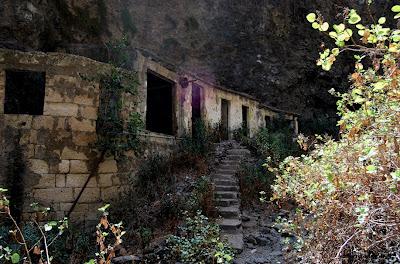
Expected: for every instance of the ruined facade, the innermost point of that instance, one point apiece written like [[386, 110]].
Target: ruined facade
[[48, 125]]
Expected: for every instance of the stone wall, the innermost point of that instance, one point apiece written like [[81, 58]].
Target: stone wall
[[57, 147]]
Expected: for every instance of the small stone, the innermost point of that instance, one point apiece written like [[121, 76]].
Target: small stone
[[251, 239], [245, 218], [262, 241]]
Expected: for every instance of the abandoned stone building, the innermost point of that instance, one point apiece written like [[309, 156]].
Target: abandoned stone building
[[48, 116]]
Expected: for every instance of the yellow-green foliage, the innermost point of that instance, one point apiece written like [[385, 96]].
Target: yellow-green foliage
[[348, 190]]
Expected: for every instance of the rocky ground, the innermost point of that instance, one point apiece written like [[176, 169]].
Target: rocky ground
[[263, 242]]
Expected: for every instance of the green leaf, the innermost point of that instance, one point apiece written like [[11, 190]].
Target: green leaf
[[311, 17], [335, 51], [397, 16], [382, 20], [359, 26], [104, 208], [324, 27], [333, 34], [315, 25], [396, 8], [371, 169], [379, 85], [349, 32], [339, 28], [15, 258], [354, 18]]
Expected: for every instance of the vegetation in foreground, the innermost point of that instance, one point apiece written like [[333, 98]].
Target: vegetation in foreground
[[273, 143], [347, 191]]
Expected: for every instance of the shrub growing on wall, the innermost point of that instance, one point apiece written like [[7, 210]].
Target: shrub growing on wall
[[348, 190]]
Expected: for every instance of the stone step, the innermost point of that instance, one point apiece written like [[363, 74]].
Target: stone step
[[226, 202], [231, 212], [227, 171], [227, 188], [234, 157], [229, 182], [230, 224], [229, 167], [235, 240], [238, 151], [231, 179], [227, 195], [226, 178], [229, 162]]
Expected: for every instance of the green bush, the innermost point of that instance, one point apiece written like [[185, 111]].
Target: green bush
[[274, 141], [199, 242], [347, 190], [253, 179], [199, 143]]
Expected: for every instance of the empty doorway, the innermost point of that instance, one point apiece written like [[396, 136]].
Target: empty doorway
[[225, 118], [196, 108], [245, 120], [160, 104]]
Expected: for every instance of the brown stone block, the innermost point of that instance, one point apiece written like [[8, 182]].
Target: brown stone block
[[84, 100], [54, 195], [64, 207], [84, 125], [89, 195], [38, 166], [63, 166], [82, 208], [78, 180], [41, 152], [33, 136], [88, 112], [60, 180], [53, 95], [106, 180], [70, 154], [60, 109], [18, 121], [30, 151], [43, 122], [84, 138], [78, 166], [109, 193], [46, 181], [108, 166]]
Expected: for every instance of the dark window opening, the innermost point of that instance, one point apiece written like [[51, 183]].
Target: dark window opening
[[160, 104], [225, 118], [196, 108], [245, 119], [268, 121], [25, 92]]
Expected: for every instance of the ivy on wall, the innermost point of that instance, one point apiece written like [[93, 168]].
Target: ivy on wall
[[115, 134]]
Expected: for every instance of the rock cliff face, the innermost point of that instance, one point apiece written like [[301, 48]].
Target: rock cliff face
[[262, 47]]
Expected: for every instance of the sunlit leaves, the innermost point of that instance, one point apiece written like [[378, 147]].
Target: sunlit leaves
[[353, 18], [327, 58], [344, 183], [311, 17], [317, 22], [396, 9]]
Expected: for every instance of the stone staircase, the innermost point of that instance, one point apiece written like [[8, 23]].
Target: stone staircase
[[227, 195]]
